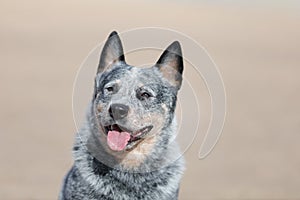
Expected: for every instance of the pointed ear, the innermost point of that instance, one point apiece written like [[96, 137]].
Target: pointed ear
[[112, 52], [170, 64]]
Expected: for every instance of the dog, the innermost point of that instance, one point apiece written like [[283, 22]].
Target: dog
[[126, 149]]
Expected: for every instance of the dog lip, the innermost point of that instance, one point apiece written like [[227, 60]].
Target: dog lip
[[140, 133], [138, 137], [123, 128], [135, 137], [116, 127]]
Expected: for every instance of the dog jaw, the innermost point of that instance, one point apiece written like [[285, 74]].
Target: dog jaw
[[137, 155]]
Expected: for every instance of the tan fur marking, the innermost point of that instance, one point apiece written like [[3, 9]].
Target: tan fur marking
[[140, 85], [164, 107], [99, 108], [170, 74]]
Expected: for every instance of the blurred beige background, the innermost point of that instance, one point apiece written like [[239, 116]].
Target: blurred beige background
[[256, 46]]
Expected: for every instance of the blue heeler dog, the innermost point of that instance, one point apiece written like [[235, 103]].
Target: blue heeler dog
[[126, 148]]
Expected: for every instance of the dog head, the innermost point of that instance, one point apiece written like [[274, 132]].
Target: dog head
[[132, 105]]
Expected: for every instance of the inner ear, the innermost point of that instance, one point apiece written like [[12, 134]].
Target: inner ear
[[112, 52], [170, 64]]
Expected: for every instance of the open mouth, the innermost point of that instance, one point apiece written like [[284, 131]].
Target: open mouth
[[120, 138]]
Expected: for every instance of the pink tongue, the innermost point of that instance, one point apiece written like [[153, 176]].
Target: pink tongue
[[117, 141]]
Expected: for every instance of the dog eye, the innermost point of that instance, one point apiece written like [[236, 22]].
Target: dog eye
[[110, 89], [145, 95]]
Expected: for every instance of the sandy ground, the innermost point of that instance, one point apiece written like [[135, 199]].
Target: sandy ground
[[257, 49]]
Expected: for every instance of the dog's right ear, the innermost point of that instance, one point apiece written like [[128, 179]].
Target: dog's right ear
[[112, 52]]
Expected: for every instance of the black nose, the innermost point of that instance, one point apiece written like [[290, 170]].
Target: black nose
[[118, 111]]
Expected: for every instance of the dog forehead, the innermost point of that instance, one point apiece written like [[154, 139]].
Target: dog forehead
[[115, 74], [130, 75], [146, 75]]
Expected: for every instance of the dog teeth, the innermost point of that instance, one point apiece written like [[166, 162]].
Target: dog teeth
[[144, 131]]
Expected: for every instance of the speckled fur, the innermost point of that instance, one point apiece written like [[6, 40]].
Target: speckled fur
[[153, 168]]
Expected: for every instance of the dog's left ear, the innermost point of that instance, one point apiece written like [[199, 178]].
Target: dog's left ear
[[170, 64], [112, 52]]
